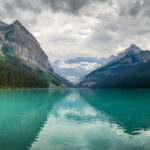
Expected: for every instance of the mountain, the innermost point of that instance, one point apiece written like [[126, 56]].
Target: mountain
[[30, 50], [132, 50], [131, 71], [23, 63], [77, 68]]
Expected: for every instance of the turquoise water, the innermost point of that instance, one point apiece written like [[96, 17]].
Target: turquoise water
[[75, 119]]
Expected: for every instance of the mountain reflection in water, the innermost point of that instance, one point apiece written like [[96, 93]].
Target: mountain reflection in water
[[75, 119]]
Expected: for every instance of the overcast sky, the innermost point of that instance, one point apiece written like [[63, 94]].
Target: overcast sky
[[72, 28]]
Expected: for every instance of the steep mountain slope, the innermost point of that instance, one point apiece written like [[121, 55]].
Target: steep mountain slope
[[22, 57], [26, 47], [130, 71], [65, 81]]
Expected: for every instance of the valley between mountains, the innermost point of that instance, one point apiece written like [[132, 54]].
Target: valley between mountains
[[24, 64]]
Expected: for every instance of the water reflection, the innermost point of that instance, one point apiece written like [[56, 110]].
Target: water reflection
[[95, 120], [75, 120], [129, 109], [22, 115]]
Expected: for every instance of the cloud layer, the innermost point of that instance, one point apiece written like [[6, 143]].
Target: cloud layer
[[72, 28]]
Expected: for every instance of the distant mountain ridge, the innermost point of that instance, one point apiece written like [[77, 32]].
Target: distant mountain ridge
[[130, 69], [132, 50], [76, 69], [19, 46]]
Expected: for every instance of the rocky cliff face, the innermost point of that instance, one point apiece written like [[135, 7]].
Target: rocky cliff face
[[22, 56], [26, 47]]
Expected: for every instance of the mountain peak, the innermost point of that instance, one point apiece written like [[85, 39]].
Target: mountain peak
[[132, 50], [17, 27], [16, 22], [30, 51], [133, 46]]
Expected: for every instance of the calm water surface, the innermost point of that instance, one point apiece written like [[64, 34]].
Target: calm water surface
[[75, 120]]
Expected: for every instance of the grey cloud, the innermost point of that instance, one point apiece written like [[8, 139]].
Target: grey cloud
[[127, 8], [138, 8], [11, 7], [70, 6], [18, 10], [131, 8], [146, 10], [101, 37], [27, 5], [109, 23], [135, 9]]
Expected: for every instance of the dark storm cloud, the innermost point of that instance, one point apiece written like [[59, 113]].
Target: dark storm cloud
[[70, 6], [146, 11], [135, 8], [131, 8], [127, 7]]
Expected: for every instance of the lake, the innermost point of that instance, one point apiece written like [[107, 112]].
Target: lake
[[74, 119]]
